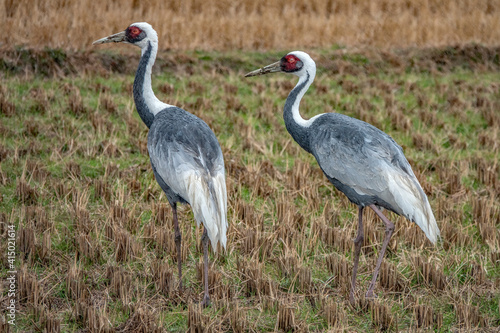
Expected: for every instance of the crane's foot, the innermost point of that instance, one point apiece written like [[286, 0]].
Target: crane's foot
[[359, 303], [206, 301], [351, 299], [370, 295]]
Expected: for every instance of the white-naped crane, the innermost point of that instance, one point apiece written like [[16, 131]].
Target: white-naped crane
[[360, 160], [185, 155]]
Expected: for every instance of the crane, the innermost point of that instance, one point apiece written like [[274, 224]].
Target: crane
[[360, 160], [185, 155]]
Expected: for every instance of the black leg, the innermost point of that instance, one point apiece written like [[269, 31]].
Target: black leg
[[178, 239], [358, 241], [204, 239], [389, 229]]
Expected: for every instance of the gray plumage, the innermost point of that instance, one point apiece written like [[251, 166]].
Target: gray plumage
[[185, 155], [355, 156], [170, 146], [360, 160], [180, 146]]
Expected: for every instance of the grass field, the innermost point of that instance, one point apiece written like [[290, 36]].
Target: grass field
[[94, 256], [254, 24], [93, 253]]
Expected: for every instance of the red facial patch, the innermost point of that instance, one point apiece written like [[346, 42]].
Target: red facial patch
[[291, 63], [133, 32]]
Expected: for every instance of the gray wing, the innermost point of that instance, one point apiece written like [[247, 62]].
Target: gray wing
[[187, 159], [182, 148], [359, 159]]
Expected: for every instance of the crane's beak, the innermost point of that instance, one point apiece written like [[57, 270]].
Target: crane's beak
[[116, 38], [272, 68]]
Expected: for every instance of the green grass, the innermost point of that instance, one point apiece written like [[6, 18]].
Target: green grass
[[82, 132]]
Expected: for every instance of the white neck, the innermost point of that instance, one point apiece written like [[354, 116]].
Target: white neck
[[152, 102], [295, 106]]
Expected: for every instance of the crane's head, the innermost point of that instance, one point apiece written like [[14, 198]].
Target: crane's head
[[137, 33], [296, 62]]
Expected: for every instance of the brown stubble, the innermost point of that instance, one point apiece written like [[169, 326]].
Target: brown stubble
[[272, 25], [290, 235]]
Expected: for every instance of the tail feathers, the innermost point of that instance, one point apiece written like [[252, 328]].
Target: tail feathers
[[208, 200], [414, 205], [428, 223]]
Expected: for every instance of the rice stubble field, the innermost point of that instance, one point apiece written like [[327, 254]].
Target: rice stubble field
[[93, 253]]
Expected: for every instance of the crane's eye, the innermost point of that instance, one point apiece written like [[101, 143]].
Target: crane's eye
[[133, 32], [291, 63]]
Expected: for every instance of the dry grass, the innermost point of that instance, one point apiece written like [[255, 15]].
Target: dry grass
[[94, 253], [254, 24]]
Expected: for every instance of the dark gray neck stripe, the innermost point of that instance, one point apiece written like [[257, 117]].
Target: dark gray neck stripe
[[298, 132], [140, 103]]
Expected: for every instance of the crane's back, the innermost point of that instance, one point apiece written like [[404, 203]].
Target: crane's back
[[369, 167], [187, 134], [188, 164]]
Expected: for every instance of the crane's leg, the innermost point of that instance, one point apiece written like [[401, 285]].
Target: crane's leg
[[178, 239], [204, 239], [389, 229], [358, 241]]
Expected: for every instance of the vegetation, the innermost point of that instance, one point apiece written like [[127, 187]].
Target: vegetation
[[94, 240], [94, 236], [254, 24]]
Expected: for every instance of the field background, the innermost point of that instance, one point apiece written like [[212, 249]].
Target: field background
[[95, 244], [254, 25]]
